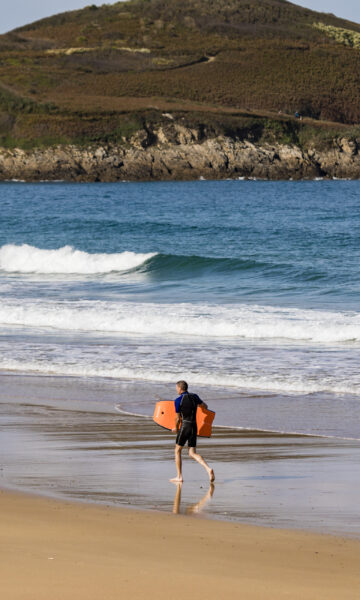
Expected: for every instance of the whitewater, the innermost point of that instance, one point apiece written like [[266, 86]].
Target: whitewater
[[251, 322], [250, 290], [27, 259]]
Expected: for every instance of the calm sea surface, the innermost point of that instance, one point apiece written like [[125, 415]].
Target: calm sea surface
[[250, 290]]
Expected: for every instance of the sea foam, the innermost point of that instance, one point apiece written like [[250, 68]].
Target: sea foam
[[242, 321], [271, 383], [28, 259]]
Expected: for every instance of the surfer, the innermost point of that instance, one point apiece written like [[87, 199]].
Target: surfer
[[185, 407]]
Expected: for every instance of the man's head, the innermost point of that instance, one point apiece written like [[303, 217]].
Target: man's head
[[181, 386]]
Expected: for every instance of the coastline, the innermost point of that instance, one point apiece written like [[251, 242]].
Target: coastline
[[65, 550], [181, 154]]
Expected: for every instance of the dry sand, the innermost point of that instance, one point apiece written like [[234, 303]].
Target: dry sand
[[52, 550]]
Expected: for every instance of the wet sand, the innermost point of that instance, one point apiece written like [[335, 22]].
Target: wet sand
[[63, 440], [62, 437], [63, 551]]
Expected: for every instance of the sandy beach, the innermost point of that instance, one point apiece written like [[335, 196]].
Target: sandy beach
[[62, 437], [71, 464], [62, 551], [88, 511]]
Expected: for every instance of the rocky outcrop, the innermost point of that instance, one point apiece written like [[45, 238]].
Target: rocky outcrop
[[174, 152]]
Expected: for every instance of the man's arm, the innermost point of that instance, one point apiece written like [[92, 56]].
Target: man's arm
[[177, 403], [177, 422], [201, 402]]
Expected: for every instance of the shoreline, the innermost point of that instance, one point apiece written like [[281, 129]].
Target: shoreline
[[53, 428], [201, 178], [194, 512], [65, 548]]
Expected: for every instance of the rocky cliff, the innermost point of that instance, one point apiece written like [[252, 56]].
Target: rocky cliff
[[175, 152]]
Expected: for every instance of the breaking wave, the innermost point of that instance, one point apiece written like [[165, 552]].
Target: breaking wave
[[28, 259]]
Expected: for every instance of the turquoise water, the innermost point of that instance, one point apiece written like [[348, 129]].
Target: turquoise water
[[248, 289]]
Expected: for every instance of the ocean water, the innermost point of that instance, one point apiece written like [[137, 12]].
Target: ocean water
[[249, 290]]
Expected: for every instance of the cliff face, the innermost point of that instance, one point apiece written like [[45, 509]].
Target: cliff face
[[179, 153]]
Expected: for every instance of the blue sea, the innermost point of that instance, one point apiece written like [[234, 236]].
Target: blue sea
[[247, 289]]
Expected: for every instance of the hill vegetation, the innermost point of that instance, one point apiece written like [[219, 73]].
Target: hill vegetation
[[100, 73], [343, 36]]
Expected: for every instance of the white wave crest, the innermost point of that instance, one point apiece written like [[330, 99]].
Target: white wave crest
[[201, 320], [66, 260]]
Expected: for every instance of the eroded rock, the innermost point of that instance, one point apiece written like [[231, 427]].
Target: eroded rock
[[175, 152]]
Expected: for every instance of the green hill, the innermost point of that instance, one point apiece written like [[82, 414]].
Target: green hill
[[96, 74]]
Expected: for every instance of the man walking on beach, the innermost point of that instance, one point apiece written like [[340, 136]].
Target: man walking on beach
[[186, 406]]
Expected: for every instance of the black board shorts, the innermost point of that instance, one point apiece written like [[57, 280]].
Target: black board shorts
[[187, 433]]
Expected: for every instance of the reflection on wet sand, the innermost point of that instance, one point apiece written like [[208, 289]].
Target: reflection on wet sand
[[192, 508], [55, 439]]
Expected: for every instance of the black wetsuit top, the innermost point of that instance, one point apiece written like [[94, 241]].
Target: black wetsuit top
[[187, 409]]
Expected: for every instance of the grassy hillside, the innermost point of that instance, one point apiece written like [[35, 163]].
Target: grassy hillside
[[100, 73]]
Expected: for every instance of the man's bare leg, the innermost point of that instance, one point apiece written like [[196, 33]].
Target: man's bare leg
[[200, 460], [178, 464]]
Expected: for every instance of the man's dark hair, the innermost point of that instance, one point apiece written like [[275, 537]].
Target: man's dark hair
[[182, 385]]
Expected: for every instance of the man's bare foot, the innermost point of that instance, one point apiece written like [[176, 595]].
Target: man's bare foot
[[176, 480], [211, 476]]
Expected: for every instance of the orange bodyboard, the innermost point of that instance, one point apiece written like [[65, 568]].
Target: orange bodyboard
[[164, 415]]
